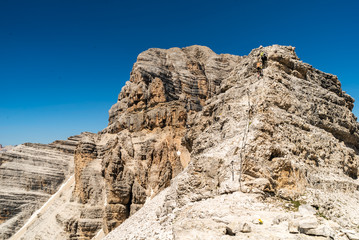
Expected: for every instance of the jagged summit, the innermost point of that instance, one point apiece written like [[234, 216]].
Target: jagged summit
[[284, 133], [198, 143]]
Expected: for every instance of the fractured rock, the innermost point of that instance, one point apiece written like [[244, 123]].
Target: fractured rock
[[239, 227], [322, 230], [192, 126], [295, 125], [30, 174], [351, 234], [307, 223]]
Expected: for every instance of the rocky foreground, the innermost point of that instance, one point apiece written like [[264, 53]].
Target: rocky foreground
[[199, 147]]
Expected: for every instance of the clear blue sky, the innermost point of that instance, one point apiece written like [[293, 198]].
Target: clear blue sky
[[63, 63]]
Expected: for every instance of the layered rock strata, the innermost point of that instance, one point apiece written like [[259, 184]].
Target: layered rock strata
[[290, 135], [30, 174], [141, 150], [198, 130]]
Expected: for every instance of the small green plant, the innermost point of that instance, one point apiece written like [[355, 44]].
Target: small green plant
[[321, 214], [296, 204]]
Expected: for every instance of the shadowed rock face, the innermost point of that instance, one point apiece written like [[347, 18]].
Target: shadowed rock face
[[197, 124]]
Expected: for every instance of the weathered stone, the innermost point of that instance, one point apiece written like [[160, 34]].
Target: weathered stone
[[293, 226], [245, 228], [306, 210], [279, 219], [307, 223], [29, 174], [293, 127], [351, 234], [322, 230], [239, 227], [202, 126]]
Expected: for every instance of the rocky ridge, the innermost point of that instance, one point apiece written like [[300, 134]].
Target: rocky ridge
[[198, 146], [5, 148], [290, 135], [30, 174]]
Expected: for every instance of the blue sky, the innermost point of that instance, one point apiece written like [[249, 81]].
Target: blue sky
[[63, 63]]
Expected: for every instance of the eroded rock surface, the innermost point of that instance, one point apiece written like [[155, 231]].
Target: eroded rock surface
[[288, 135], [199, 146], [142, 150], [29, 174]]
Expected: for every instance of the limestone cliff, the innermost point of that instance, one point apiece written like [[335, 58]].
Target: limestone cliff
[[142, 150], [288, 135], [204, 144], [30, 174]]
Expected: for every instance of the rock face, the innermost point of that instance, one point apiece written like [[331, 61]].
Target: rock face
[[199, 146], [6, 148], [289, 135], [30, 174], [142, 150]]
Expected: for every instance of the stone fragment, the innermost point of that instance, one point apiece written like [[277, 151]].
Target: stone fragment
[[322, 230], [293, 226], [229, 231], [244, 228], [307, 223], [238, 226], [306, 210], [279, 219]]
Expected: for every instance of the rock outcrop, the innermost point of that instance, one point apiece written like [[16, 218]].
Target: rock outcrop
[[288, 135], [29, 174], [141, 150], [5, 148], [199, 146]]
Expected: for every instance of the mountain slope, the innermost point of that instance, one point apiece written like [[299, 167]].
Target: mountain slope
[[30, 174], [199, 146], [290, 134]]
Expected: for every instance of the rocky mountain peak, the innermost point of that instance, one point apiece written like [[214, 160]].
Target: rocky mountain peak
[[199, 145], [279, 134]]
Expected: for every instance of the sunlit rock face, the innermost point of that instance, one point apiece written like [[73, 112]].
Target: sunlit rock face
[[29, 174], [289, 134], [195, 129]]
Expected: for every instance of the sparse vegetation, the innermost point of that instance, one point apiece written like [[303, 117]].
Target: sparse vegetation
[[296, 204], [293, 205], [321, 214]]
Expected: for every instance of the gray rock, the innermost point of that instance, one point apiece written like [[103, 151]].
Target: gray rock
[[239, 227], [245, 228], [293, 127], [279, 219], [322, 230], [307, 223]]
